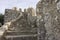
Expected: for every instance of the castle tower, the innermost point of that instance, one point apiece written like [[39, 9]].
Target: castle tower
[[31, 11]]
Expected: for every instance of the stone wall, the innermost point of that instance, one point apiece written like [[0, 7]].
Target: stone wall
[[24, 25], [10, 15], [48, 9]]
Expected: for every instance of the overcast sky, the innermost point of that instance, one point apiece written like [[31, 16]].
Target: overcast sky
[[16, 3]]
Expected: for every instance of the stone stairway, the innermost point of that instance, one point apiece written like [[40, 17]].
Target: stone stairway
[[21, 35], [13, 35]]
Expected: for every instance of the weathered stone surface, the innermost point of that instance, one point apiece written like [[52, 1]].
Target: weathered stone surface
[[41, 28], [50, 16], [10, 15], [44, 26], [22, 25]]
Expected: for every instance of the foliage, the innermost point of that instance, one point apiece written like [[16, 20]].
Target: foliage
[[1, 19]]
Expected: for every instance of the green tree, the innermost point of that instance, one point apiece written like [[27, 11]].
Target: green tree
[[2, 19]]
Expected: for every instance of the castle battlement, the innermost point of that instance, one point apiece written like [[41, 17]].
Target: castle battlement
[[13, 13]]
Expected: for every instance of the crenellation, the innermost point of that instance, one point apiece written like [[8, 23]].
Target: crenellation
[[20, 10], [14, 8], [25, 10], [31, 11]]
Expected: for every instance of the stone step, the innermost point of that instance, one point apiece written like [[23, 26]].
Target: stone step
[[21, 37], [19, 33]]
